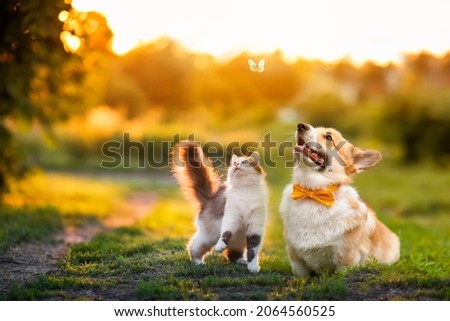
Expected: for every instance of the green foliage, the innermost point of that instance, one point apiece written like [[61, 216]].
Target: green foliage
[[41, 80], [33, 55], [31, 64]]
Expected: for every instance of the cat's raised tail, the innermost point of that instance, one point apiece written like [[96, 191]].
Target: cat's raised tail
[[194, 173]]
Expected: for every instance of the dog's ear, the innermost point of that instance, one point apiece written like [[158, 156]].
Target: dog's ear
[[365, 158], [234, 159]]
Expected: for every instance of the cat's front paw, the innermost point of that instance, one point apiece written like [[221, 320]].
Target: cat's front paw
[[241, 261], [253, 267], [220, 246]]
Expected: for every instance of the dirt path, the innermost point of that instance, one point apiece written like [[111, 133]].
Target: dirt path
[[26, 261]]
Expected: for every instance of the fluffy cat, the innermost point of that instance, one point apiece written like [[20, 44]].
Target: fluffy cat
[[231, 214]]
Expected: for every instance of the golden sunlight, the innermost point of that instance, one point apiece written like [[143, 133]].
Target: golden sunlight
[[64, 16], [71, 42], [324, 29]]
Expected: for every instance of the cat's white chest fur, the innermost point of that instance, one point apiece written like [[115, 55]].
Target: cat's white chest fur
[[245, 200]]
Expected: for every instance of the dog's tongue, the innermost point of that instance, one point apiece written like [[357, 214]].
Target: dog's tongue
[[315, 157]]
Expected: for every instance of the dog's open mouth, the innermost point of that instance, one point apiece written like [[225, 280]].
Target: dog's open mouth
[[315, 155]]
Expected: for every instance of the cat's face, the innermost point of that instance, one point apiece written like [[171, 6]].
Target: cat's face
[[245, 165]]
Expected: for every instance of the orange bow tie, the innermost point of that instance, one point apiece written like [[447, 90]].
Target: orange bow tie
[[324, 196]]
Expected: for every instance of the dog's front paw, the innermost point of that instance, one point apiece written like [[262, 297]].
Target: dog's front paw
[[198, 261], [220, 246], [253, 267]]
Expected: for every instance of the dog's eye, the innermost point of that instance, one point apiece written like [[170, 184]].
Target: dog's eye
[[329, 137], [245, 162]]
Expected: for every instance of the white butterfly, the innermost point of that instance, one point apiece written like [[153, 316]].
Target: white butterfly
[[256, 67]]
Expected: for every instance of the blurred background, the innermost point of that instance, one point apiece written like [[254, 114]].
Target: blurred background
[[75, 75]]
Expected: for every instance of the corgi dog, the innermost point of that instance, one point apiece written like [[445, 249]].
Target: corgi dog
[[326, 224]]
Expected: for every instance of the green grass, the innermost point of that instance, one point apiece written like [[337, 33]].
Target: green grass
[[27, 224], [148, 261], [41, 205], [71, 195]]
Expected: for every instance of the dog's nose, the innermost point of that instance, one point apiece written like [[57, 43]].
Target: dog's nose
[[301, 127]]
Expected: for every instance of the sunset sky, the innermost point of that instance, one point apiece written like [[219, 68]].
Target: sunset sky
[[379, 30]]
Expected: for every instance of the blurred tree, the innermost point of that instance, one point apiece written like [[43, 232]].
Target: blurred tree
[[39, 75], [325, 110], [236, 87], [163, 71], [243, 88], [279, 83], [373, 79], [91, 35], [445, 68], [345, 71], [418, 121], [125, 94], [424, 69]]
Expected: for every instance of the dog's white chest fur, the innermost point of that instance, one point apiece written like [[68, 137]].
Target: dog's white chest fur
[[309, 224]]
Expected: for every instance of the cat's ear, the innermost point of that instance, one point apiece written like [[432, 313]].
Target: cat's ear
[[234, 159], [254, 159]]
